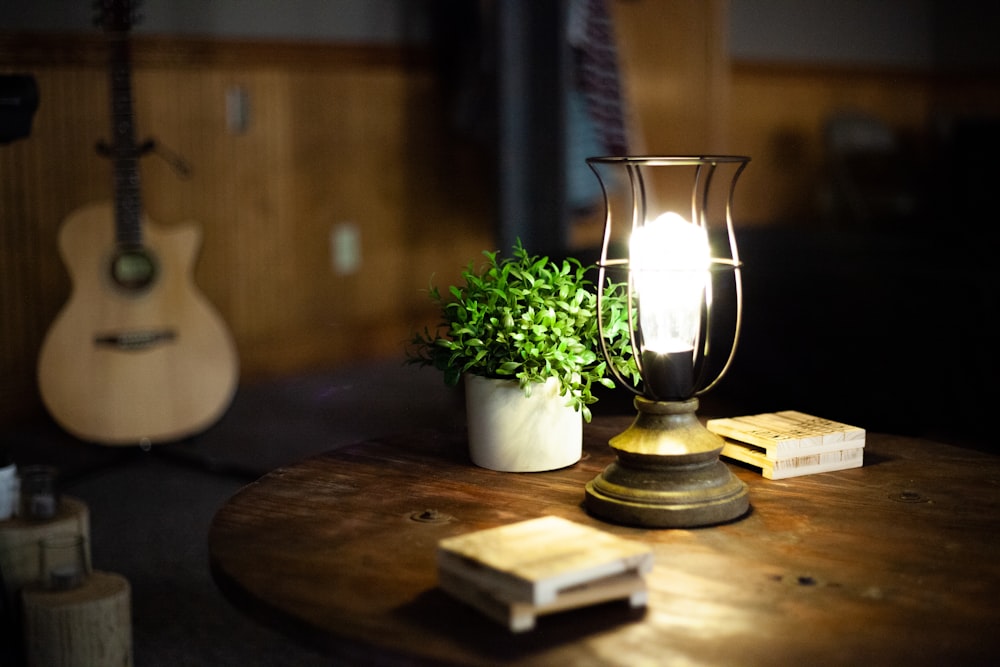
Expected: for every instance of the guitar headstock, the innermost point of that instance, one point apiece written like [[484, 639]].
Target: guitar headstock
[[116, 15]]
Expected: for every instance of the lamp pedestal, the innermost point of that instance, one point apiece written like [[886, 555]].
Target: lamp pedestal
[[668, 473]]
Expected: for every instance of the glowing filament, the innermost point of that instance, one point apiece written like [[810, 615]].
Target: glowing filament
[[669, 260]]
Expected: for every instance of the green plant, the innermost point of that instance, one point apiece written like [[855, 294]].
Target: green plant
[[527, 318]]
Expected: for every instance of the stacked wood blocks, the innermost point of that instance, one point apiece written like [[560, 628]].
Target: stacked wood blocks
[[790, 444], [517, 572]]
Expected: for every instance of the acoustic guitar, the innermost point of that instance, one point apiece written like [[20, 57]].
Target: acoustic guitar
[[137, 355]]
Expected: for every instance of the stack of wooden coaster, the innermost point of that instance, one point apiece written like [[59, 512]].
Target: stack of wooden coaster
[[790, 444], [517, 572]]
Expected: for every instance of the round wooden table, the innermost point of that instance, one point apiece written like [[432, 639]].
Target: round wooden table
[[897, 562]]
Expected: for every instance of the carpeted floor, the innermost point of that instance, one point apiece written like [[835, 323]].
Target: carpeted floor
[[150, 511]]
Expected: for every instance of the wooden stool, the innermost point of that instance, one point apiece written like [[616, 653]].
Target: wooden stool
[[88, 625], [19, 540]]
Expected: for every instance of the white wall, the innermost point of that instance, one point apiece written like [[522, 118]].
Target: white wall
[[328, 20], [871, 32], [945, 34], [908, 33]]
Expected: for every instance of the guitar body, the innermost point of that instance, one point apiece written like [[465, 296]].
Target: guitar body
[[127, 365]]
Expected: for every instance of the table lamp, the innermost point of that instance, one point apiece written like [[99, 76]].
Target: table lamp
[[663, 214]]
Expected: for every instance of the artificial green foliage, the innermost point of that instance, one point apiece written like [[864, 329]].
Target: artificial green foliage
[[527, 318]]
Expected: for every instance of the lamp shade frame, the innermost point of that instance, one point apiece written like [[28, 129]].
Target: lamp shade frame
[[704, 172]]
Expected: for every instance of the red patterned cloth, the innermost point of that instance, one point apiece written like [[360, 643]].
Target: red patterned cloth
[[591, 34]]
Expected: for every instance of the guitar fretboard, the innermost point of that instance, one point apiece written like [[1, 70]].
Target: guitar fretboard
[[128, 203]]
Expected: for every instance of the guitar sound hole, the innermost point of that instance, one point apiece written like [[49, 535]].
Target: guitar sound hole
[[133, 270]]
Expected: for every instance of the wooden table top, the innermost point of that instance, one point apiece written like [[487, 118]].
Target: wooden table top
[[897, 562]]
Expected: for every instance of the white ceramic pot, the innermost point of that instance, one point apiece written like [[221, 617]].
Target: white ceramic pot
[[514, 433]]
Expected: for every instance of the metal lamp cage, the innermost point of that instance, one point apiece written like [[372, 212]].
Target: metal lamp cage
[[634, 188]]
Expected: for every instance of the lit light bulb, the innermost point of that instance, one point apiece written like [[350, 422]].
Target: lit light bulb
[[669, 258]]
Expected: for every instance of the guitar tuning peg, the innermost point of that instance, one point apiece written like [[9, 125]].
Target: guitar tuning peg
[[180, 166]]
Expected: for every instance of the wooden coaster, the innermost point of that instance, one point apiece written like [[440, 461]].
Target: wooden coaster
[[839, 459], [789, 443], [517, 572]]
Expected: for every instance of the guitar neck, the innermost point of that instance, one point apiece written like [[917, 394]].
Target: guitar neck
[[125, 152]]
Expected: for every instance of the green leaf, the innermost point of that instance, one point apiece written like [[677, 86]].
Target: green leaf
[[527, 317]]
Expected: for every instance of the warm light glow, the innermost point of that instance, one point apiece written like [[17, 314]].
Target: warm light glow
[[669, 260]]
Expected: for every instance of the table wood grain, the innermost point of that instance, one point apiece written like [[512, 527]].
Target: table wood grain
[[897, 562]]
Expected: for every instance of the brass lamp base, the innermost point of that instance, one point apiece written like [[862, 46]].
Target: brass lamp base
[[668, 473]]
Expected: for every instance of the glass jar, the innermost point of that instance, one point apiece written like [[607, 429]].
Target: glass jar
[[63, 563]]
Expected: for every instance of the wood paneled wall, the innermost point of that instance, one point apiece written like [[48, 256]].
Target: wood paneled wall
[[358, 134], [675, 66], [777, 117], [335, 135], [777, 114], [688, 97]]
